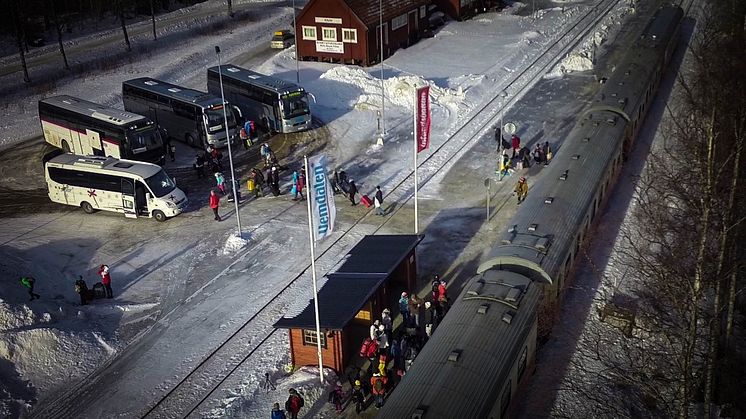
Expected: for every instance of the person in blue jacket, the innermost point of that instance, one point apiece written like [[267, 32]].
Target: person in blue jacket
[[277, 413]]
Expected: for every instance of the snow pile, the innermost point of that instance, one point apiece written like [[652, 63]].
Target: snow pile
[[583, 57], [44, 349], [233, 244], [399, 90]]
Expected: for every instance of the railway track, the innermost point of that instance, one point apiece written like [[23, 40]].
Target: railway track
[[187, 396]]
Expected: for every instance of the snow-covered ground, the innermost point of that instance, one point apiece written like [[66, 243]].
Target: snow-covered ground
[[182, 286]]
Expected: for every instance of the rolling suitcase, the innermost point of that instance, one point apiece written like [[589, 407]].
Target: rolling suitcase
[[365, 200]]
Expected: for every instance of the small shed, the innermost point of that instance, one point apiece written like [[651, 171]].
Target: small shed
[[348, 31], [374, 271]]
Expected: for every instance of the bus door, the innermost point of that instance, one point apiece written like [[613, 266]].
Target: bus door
[[92, 145], [128, 198]]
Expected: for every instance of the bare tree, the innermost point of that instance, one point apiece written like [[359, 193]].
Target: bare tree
[[152, 17], [56, 23], [15, 10], [120, 11], [230, 8]]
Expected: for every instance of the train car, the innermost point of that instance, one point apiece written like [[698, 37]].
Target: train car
[[469, 366], [544, 238], [477, 357]]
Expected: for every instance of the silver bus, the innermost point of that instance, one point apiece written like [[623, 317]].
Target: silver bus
[[281, 105], [86, 128], [186, 114]]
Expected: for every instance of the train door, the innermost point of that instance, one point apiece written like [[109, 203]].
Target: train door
[[128, 198]]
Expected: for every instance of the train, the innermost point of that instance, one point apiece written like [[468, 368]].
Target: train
[[483, 352]]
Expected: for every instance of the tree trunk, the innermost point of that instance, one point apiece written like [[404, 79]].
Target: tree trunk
[[152, 17], [716, 320], [230, 8], [17, 23], [56, 22], [120, 8], [737, 265], [699, 270]]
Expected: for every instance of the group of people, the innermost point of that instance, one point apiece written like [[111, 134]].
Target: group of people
[[292, 406], [521, 156], [81, 288]]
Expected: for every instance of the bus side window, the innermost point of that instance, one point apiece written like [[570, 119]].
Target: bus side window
[[128, 188]]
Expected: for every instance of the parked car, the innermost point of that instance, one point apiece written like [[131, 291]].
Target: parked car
[[282, 39]]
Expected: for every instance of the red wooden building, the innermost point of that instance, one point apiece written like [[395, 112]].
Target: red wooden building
[[348, 31], [374, 273]]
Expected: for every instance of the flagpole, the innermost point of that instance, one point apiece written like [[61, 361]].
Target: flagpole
[[414, 137], [313, 270]]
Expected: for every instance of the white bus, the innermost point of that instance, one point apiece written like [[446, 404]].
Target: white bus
[[264, 99], [81, 127], [136, 189], [186, 114]]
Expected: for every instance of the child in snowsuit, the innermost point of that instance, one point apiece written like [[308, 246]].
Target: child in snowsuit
[[521, 189], [28, 282], [220, 180]]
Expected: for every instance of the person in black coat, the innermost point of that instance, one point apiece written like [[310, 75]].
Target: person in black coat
[[82, 289], [352, 191]]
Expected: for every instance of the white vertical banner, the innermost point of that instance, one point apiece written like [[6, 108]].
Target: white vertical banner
[[321, 195]]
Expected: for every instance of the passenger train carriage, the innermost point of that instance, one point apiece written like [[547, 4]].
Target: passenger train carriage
[[479, 355]]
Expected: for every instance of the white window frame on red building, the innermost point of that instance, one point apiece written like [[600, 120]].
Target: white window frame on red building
[[349, 39], [309, 37], [324, 31]]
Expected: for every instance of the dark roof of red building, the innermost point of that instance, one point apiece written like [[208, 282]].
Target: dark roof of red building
[[366, 267], [368, 11]]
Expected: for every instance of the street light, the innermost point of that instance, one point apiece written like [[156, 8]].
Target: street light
[[235, 184], [383, 94], [295, 32]]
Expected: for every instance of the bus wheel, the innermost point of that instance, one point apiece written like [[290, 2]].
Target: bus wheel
[[190, 140], [66, 147], [87, 208], [159, 216]]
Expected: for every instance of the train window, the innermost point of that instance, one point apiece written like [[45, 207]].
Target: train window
[[522, 362], [310, 338], [505, 399]]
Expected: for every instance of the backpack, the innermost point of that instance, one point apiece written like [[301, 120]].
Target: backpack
[[378, 385], [369, 348], [242, 133]]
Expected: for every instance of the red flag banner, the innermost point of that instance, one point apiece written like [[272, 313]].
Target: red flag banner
[[422, 118]]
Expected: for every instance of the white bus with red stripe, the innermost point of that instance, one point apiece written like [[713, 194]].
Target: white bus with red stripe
[[89, 129]]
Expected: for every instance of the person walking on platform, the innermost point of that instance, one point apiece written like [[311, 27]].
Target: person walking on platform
[[378, 201], [28, 282], [214, 204], [521, 189], [103, 271], [352, 192]]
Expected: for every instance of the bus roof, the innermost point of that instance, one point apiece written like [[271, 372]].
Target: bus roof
[[107, 165], [252, 77], [174, 92], [94, 110]]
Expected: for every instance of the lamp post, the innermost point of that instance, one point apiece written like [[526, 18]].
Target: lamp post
[[235, 184], [383, 94], [295, 32]]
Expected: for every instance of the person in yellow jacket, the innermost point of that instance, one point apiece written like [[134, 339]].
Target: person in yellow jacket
[[521, 189]]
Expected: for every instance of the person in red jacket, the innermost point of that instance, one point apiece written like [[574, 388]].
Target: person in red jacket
[[378, 383], [214, 203], [103, 272], [515, 143]]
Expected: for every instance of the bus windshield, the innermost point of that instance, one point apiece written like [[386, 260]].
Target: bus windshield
[[146, 138], [215, 118], [160, 184], [295, 104]]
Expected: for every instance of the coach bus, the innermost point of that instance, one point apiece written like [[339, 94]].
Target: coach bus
[[186, 114], [279, 105], [136, 189], [81, 127]]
